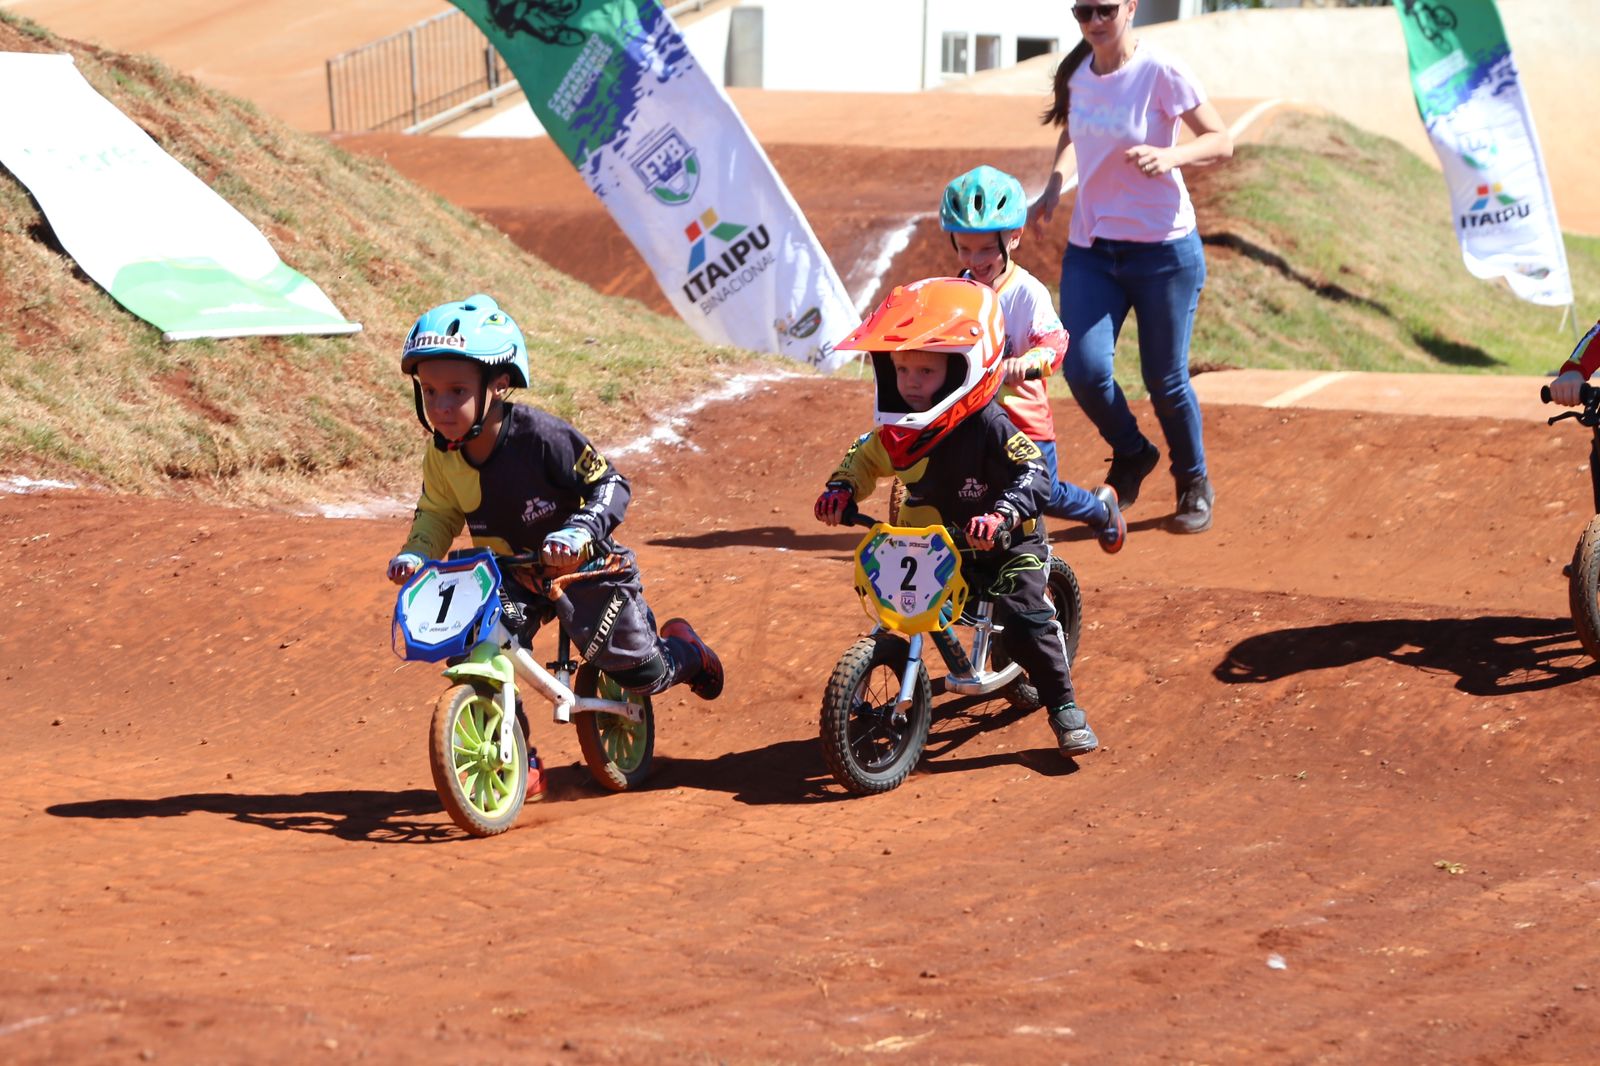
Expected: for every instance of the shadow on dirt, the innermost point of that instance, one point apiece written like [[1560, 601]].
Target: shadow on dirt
[[776, 537], [1491, 656], [367, 815], [793, 771]]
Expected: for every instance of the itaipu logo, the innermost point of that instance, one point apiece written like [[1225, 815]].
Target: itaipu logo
[[1494, 206], [744, 255], [669, 167]]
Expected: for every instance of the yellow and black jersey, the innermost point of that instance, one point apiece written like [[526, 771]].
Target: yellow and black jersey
[[542, 475], [984, 462]]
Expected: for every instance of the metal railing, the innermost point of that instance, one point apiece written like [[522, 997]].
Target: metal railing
[[424, 76]]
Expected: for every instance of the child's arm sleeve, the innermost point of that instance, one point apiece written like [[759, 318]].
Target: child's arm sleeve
[[1047, 337], [1029, 488], [863, 466], [438, 517], [575, 464], [1585, 358]]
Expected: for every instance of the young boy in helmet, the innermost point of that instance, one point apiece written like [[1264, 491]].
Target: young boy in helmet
[[936, 355], [984, 212], [521, 479]]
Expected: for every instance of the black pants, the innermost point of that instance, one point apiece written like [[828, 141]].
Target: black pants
[[613, 627], [1015, 580]]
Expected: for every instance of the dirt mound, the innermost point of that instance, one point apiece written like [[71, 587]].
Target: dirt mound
[[1342, 812]]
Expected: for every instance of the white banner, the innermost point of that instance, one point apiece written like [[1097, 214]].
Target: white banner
[[1471, 101], [617, 89], [141, 225]]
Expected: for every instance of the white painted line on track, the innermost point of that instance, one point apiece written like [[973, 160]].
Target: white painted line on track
[[1246, 120], [1306, 388]]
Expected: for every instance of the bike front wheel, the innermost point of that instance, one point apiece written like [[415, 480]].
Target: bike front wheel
[[1583, 588], [868, 745], [482, 793], [618, 751], [1066, 598]]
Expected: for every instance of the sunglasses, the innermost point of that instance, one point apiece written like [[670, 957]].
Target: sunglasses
[[1103, 12]]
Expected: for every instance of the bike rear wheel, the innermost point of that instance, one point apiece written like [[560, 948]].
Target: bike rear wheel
[[868, 746], [1583, 588], [481, 793], [1062, 591], [618, 751]]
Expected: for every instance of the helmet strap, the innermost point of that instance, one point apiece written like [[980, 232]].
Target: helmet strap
[[440, 441]]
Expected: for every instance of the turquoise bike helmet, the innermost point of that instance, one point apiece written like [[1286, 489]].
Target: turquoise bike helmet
[[476, 330], [983, 200]]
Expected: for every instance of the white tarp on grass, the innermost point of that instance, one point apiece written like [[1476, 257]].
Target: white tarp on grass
[[138, 222]]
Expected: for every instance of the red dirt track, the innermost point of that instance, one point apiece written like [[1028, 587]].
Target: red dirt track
[[223, 845]]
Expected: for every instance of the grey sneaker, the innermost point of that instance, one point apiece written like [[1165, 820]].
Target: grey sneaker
[[1194, 506], [1128, 472], [1073, 735]]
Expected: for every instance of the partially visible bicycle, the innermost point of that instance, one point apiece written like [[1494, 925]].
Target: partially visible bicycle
[[456, 610], [1583, 573]]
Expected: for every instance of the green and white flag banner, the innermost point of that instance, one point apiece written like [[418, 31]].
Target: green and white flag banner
[[1471, 102], [149, 232], [662, 146]]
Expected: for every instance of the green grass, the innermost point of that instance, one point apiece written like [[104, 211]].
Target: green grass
[[1331, 248], [92, 394]]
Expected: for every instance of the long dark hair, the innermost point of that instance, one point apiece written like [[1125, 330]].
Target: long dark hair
[[1057, 113]]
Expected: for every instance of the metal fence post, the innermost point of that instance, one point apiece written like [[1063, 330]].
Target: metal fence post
[[416, 95], [333, 111]]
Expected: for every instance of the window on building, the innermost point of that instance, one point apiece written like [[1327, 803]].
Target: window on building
[[954, 54], [1028, 47], [988, 51]]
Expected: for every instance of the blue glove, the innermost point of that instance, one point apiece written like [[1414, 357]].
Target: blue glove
[[565, 547], [402, 566]]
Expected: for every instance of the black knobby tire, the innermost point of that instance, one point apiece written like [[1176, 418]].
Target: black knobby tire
[[1061, 589], [618, 751], [480, 794], [1583, 588], [866, 747]]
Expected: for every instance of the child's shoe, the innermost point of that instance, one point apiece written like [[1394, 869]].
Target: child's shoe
[[536, 781], [1114, 534], [1073, 735], [1129, 471], [707, 681]]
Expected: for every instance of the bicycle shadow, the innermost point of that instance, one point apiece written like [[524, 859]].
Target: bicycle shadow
[[366, 815], [780, 538], [1493, 655], [793, 771]]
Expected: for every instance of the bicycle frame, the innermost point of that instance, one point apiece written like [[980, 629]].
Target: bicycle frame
[[962, 679]]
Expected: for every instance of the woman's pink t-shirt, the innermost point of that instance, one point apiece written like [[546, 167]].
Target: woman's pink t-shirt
[[1139, 103]]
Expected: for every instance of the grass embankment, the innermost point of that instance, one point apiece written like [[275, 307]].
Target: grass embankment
[[1332, 248], [91, 394]]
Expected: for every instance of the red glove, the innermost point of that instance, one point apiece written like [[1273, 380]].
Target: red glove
[[831, 504], [983, 528]]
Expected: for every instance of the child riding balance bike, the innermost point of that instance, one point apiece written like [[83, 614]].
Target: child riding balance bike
[[936, 349]]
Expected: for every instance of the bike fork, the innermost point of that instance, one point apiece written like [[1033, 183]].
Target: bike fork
[[908, 676]]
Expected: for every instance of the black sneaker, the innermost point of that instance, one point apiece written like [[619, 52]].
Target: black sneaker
[[1194, 506], [1129, 471], [1073, 735]]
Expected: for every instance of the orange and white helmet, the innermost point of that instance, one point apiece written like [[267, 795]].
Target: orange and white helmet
[[953, 315]]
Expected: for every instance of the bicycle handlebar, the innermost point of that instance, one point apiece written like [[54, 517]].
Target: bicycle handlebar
[[854, 516], [1587, 394]]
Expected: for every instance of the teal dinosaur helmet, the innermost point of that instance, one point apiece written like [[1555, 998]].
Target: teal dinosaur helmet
[[983, 200], [474, 329]]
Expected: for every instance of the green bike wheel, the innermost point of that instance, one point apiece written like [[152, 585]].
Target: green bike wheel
[[618, 751], [482, 793]]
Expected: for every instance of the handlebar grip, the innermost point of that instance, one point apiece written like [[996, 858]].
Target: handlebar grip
[[1544, 393], [1033, 373], [853, 516], [1586, 393]]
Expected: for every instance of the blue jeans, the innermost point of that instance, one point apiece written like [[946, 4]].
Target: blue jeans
[[1161, 282], [1067, 500]]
